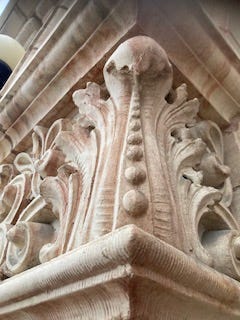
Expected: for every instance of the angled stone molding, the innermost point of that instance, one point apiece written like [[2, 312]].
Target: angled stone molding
[[127, 274], [52, 68]]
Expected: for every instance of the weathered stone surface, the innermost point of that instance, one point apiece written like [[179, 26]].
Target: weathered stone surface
[[128, 274], [116, 187]]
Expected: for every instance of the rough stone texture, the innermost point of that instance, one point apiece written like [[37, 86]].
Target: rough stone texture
[[116, 186]]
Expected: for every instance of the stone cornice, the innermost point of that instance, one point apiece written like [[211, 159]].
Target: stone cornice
[[107, 265], [36, 93]]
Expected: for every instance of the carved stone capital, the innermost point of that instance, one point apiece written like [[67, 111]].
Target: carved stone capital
[[137, 153]]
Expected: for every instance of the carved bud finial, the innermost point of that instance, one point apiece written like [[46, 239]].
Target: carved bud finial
[[137, 58]]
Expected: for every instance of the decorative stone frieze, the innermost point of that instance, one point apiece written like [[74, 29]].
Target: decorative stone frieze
[[141, 156], [115, 191]]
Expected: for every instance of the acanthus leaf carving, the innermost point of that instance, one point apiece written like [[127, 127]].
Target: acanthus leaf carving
[[103, 116], [201, 187], [138, 156]]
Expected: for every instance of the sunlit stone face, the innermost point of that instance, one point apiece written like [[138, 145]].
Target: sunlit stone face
[[11, 53]]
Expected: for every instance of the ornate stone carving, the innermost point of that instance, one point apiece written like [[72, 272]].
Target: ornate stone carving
[[142, 156]]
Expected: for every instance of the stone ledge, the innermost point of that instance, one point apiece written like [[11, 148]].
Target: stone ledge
[[127, 274]]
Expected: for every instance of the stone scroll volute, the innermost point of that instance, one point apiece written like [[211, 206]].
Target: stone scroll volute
[[141, 156]]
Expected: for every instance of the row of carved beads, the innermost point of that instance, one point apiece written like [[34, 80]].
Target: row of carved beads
[[135, 201]]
